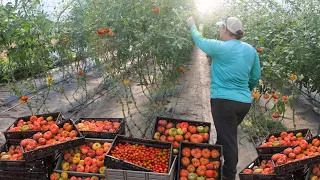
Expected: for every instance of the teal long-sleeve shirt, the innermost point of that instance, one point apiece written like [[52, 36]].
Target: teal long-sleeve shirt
[[235, 67]]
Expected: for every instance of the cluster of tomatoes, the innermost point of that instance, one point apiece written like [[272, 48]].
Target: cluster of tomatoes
[[302, 151], [34, 123], [54, 135], [265, 167], [14, 153], [285, 139], [199, 164], [65, 175], [152, 158], [104, 31], [98, 126], [88, 158]]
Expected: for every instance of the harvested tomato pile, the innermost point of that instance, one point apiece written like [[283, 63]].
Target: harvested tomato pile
[[303, 151], [34, 123], [199, 164], [285, 139], [88, 158], [99, 126], [315, 175], [14, 153], [265, 167], [152, 158], [168, 132], [53, 136]]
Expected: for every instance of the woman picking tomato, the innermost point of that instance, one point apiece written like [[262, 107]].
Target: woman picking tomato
[[235, 71]]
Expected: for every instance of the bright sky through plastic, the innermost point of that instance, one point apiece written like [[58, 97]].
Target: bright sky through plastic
[[204, 5]]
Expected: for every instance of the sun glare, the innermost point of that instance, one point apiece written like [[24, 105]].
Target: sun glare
[[204, 5]]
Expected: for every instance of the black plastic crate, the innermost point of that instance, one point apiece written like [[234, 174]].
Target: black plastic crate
[[296, 175], [309, 173], [53, 149], [58, 167], [296, 165], [201, 146], [176, 121], [77, 174], [103, 135], [21, 165], [25, 134], [7, 175], [278, 149], [115, 163]]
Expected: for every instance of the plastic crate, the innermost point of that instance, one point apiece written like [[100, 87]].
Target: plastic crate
[[26, 134], [272, 150], [7, 175], [138, 175], [201, 146], [58, 167], [79, 175], [296, 165], [115, 163], [103, 135], [21, 165], [309, 173], [296, 175], [51, 150]]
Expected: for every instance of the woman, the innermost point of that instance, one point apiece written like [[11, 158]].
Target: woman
[[235, 71]]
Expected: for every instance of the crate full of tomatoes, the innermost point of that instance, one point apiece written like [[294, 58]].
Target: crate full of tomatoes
[[87, 159], [135, 154], [13, 165], [178, 130], [104, 128], [302, 155], [263, 168], [27, 126], [314, 172], [199, 161], [57, 138], [277, 142], [74, 176]]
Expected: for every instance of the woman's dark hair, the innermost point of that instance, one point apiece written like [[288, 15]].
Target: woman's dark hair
[[238, 35]]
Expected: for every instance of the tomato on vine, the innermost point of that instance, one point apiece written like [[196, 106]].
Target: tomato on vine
[[285, 99], [111, 33], [126, 82], [275, 115], [101, 31], [255, 94], [50, 79], [275, 96], [80, 73], [107, 30], [24, 98], [259, 50], [181, 69], [266, 96], [293, 77], [156, 10]]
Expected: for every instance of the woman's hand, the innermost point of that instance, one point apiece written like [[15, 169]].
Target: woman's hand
[[190, 21]]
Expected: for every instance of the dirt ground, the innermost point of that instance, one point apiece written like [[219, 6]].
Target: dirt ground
[[192, 102]]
